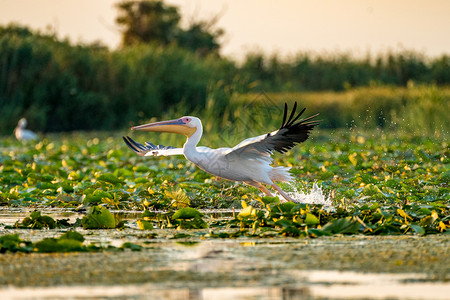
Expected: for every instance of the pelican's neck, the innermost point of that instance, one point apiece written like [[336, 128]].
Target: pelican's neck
[[190, 147], [193, 140]]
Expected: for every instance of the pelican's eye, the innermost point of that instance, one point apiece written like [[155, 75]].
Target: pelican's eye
[[186, 120]]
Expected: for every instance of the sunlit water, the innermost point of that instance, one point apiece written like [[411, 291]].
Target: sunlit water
[[315, 285]]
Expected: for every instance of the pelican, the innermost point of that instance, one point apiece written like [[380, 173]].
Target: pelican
[[249, 161], [23, 134]]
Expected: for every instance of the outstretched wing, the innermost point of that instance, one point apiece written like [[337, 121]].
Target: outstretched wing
[[151, 149], [290, 133]]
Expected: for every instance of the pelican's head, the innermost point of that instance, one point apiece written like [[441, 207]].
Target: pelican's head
[[185, 125]]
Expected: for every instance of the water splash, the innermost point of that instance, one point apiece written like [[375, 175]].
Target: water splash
[[315, 196]]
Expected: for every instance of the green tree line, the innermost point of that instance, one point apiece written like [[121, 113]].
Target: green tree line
[[60, 86], [312, 72]]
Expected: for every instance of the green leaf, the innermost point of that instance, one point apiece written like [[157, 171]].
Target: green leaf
[[180, 235], [72, 235], [144, 225], [110, 178], [74, 176], [425, 210], [132, 246], [51, 245], [35, 214], [403, 214], [186, 213], [418, 229], [246, 213], [147, 214], [96, 196], [10, 242], [444, 177], [313, 232], [179, 198], [37, 221], [98, 218], [311, 219], [114, 154], [48, 245], [196, 223], [47, 221], [286, 206], [284, 223], [70, 245], [343, 225], [268, 200]]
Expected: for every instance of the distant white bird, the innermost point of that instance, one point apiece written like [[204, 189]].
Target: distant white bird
[[23, 134], [249, 161]]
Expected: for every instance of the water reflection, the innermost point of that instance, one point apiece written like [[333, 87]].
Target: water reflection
[[314, 285]]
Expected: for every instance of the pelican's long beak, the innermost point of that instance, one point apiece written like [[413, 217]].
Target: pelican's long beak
[[173, 126]]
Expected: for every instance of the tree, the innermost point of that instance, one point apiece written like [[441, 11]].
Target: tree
[[200, 37], [153, 21], [147, 21], [15, 30]]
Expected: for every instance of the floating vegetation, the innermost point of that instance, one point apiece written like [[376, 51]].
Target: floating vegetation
[[71, 241], [360, 183], [269, 218], [37, 221], [98, 218]]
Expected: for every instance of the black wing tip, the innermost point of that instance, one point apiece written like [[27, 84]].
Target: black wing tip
[[294, 132], [284, 114], [137, 148], [293, 118], [140, 149]]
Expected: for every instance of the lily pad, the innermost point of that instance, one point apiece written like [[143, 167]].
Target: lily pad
[[344, 225], [98, 218], [144, 225], [110, 178], [311, 219], [186, 213]]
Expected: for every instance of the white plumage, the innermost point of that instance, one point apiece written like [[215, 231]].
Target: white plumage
[[23, 134], [249, 161]]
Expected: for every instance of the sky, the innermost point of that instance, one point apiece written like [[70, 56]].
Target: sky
[[283, 27]]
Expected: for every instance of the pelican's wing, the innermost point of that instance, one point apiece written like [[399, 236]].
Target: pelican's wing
[[150, 149], [290, 133]]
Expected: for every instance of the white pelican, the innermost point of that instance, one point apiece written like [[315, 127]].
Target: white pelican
[[23, 134], [249, 161]]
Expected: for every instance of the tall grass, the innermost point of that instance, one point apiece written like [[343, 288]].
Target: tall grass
[[414, 111], [420, 110], [340, 71], [59, 86]]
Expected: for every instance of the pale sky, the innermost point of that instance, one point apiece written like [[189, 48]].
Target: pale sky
[[273, 26]]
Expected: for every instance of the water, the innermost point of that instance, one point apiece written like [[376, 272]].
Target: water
[[315, 196], [315, 285], [10, 215], [338, 267]]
